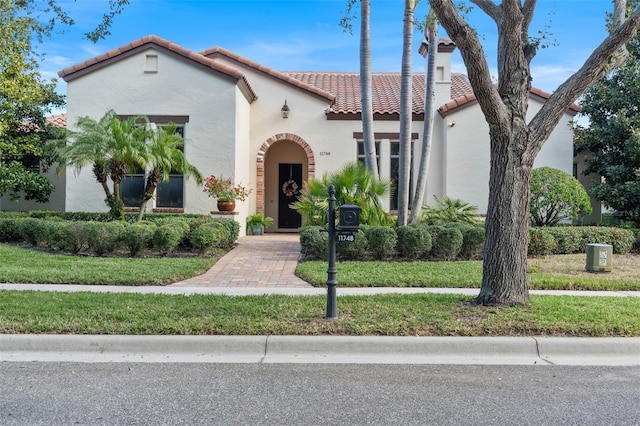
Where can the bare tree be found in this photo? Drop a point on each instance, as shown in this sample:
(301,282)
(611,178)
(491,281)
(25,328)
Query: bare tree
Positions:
(431,35)
(515,142)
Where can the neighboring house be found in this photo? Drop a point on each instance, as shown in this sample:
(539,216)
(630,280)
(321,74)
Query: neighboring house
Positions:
(229,109)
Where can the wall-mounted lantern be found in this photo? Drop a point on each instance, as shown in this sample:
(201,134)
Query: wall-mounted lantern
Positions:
(285,110)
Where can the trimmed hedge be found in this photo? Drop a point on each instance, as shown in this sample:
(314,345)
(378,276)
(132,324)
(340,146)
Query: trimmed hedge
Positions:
(568,240)
(106,237)
(314,241)
(457,241)
(447,243)
(414,242)
(356,250)
(382,241)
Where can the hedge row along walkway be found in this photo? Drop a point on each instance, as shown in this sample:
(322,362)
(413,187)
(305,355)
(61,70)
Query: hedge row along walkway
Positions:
(257,261)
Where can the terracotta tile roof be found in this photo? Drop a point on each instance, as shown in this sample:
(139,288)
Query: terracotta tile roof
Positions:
(215,52)
(149,41)
(386,90)
(341,89)
(57,120)
(468,99)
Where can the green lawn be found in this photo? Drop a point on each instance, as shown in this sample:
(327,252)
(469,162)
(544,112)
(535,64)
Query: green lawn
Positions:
(22,265)
(381,315)
(548,273)
(396,315)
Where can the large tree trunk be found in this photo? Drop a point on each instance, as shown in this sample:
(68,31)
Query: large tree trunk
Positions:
(514,142)
(504,277)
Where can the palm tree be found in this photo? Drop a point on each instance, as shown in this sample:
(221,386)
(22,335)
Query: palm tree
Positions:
(113,147)
(165,156)
(366,90)
(366,85)
(354,184)
(406,110)
(431,34)
(89,146)
(128,148)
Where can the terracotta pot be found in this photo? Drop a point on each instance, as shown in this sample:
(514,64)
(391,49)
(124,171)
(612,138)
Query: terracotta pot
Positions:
(226,206)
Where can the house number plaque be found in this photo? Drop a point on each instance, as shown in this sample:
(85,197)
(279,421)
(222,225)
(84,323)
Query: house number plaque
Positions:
(346,238)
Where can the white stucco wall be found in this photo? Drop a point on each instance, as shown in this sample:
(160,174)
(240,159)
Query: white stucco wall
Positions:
(177,88)
(225,132)
(467,153)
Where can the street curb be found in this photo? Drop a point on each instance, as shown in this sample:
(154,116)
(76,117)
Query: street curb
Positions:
(322,349)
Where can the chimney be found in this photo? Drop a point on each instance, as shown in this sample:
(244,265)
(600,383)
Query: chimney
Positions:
(443,68)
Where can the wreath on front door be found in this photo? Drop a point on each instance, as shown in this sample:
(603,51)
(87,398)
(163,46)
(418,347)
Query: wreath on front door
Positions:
(290,188)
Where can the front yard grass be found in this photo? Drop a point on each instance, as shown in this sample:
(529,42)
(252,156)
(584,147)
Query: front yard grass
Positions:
(23,265)
(384,315)
(561,272)
(380,315)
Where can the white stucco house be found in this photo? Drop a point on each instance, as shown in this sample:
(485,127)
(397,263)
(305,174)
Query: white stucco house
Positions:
(229,109)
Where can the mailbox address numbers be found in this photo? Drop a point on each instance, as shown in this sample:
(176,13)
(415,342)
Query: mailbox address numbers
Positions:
(346,238)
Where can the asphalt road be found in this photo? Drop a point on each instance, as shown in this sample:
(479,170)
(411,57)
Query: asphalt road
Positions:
(54,393)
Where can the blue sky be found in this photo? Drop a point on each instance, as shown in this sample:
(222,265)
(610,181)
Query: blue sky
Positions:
(303,35)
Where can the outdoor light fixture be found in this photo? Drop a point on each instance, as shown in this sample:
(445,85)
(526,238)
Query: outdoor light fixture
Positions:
(285,110)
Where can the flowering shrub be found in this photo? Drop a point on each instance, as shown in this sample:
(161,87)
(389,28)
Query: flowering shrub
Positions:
(223,189)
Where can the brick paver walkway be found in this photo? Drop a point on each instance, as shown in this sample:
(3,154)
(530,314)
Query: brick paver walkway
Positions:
(257,261)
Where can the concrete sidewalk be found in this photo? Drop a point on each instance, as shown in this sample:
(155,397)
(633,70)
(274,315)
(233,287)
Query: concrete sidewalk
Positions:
(290,290)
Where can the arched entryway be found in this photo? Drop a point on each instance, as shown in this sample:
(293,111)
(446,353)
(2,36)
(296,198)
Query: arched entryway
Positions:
(285,161)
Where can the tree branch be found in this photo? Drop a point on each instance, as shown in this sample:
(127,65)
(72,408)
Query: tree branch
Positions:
(490,8)
(604,58)
(473,56)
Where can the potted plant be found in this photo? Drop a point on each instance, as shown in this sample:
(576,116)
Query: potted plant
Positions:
(257,222)
(225,192)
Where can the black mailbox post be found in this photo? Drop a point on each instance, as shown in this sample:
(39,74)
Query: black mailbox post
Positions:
(348,224)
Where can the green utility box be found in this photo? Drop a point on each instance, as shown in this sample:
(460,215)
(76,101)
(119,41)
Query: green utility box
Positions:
(599,257)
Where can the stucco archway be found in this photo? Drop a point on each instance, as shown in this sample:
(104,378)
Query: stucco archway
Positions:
(260,163)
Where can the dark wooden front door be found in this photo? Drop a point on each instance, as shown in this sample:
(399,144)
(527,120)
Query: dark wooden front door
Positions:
(290,178)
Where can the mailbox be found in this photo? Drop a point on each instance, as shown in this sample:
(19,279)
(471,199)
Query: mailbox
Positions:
(349,217)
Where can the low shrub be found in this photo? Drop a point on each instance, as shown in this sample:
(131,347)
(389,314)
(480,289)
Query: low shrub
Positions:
(356,250)
(137,236)
(541,242)
(167,237)
(382,241)
(71,236)
(568,239)
(103,237)
(413,241)
(34,231)
(472,242)
(621,239)
(231,232)
(314,241)
(447,243)
(10,230)
(636,243)
(207,236)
